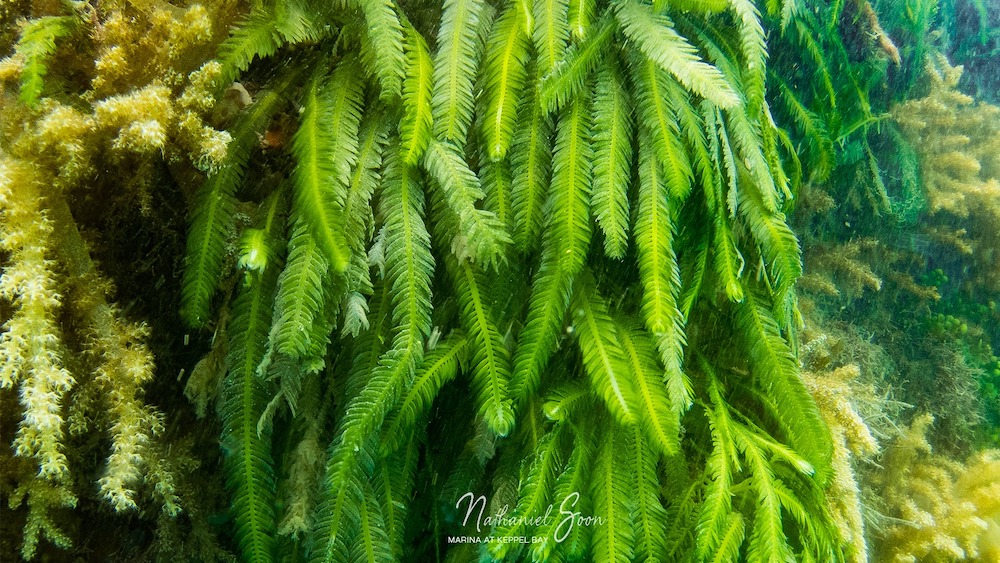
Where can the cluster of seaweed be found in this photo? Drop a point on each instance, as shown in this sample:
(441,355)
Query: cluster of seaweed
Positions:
(426,254)
(87,135)
(899,245)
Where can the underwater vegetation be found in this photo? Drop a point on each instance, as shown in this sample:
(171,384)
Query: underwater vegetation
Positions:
(897,281)
(946,510)
(295,280)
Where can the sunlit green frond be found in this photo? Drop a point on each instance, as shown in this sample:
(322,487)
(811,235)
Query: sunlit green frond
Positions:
(733,535)
(37,44)
(720,47)
(775,371)
(613,499)
(650,516)
(353,304)
(503,80)
(569,77)
(770,138)
(694,267)
(299,300)
(681,511)
(747,139)
(369,346)
(342,494)
(326,148)
(531,161)
(727,167)
(695,133)
(566,241)
(527,16)
(385,35)
(768,542)
(322,329)
(294,23)
(409,270)
(776,451)
(253,38)
(213,214)
(581,14)
(613,140)
(551,288)
(659,273)
(655,36)
(727,258)
(754,52)
(716,508)
(572,178)
(415,127)
(804,501)
(455,65)
(778,244)
(789,8)
(484,235)
(211,226)
(603,358)
(261,33)
(657,118)
(489,360)
(439,367)
(551,33)
(658,415)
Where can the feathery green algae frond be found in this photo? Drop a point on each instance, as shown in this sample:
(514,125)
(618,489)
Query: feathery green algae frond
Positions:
(484,235)
(603,358)
(567,238)
(611,491)
(531,165)
(773,368)
(503,80)
(536,491)
(569,77)
(489,359)
(613,145)
(37,45)
(455,65)
(440,366)
(212,219)
(326,147)
(656,37)
(551,33)
(250,470)
(659,414)
(385,36)
(415,128)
